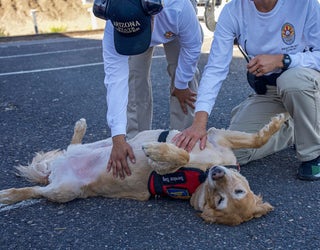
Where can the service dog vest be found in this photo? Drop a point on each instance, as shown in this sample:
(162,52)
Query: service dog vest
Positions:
(181,184)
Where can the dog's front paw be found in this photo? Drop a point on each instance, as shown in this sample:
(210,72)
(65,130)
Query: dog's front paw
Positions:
(151,150)
(281,118)
(167,153)
(273,126)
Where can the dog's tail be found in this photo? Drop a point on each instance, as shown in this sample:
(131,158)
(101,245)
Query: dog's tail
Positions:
(39,170)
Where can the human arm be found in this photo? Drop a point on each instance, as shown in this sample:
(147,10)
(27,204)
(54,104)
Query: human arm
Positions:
(190,37)
(116,70)
(214,74)
(310,57)
(116,81)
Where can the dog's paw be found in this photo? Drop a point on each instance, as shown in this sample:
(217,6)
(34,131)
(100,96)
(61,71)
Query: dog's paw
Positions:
(80,126)
(166,152)
(79,131)
(5,197)
(158,151)
(150,150)
(273,126)
(280,118)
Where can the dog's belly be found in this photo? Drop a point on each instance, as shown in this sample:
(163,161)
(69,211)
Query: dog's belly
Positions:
(134,186)
(79,165)
(213,154)
(85,169)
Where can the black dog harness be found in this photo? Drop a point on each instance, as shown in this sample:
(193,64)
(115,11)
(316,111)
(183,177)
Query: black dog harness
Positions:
(163,136)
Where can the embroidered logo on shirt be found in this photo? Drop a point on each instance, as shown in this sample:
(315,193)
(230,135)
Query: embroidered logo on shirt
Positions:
(288,33)
(169,34)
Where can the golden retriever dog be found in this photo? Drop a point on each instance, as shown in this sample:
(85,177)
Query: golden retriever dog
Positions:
(223,197)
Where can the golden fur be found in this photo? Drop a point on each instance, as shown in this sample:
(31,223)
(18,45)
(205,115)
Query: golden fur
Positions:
(80,172)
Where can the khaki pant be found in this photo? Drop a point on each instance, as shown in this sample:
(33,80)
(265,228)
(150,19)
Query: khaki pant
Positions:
(298,93)
(140,102)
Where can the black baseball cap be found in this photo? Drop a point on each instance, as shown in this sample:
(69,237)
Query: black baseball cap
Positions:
(132,26)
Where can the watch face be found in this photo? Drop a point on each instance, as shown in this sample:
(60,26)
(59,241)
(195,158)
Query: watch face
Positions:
(286,61)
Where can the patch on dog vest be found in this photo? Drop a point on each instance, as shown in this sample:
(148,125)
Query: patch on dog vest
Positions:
(180,185)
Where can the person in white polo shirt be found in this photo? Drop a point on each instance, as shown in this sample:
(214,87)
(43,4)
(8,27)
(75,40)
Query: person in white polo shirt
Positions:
(133,28)
(282,41)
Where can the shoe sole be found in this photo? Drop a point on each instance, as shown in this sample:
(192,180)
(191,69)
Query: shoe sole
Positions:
(308,178)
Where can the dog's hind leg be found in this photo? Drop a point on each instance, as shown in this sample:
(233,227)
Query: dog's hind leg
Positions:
(62,193)
(79,131)
(237,139)
(14,195)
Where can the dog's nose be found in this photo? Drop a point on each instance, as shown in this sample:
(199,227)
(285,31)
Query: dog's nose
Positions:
(217,172)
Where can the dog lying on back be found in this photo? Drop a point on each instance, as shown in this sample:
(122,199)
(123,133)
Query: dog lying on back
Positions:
(80,172)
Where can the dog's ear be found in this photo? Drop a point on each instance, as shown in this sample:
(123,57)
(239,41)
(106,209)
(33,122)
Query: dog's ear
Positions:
(261,208)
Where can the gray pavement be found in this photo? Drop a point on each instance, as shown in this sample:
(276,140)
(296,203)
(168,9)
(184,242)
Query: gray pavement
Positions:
(48,84)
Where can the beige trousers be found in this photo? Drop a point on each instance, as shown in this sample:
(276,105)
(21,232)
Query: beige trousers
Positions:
(298,93)
(140,102)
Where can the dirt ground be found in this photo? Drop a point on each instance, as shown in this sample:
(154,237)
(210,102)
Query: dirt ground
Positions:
(51,16)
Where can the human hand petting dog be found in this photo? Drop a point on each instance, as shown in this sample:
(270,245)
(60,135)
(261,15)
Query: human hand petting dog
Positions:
(185,97)
(118,157)
(188,138)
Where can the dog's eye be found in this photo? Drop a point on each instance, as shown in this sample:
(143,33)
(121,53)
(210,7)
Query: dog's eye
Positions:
(239,191)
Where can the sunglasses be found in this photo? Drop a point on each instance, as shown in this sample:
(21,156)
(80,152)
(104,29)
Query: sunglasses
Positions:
(150,7)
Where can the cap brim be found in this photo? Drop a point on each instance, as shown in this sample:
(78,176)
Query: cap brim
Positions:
(133,45)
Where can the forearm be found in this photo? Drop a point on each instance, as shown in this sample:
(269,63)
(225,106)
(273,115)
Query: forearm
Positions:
(200,119)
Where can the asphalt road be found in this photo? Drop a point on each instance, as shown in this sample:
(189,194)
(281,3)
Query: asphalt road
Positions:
(48,84)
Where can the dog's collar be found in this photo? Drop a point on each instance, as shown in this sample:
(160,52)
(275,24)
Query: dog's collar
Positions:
(163,136)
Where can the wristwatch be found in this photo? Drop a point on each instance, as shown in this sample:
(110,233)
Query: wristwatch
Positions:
(286,61)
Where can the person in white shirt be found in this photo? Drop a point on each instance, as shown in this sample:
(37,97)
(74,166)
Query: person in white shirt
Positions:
(132,30)
(282,41)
